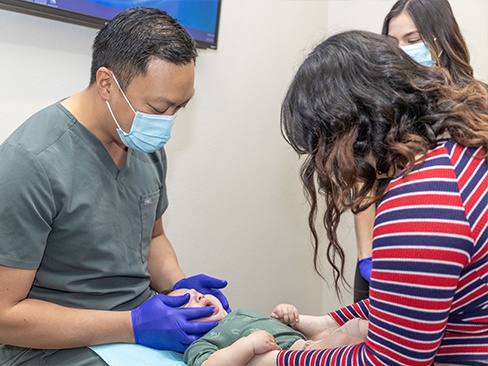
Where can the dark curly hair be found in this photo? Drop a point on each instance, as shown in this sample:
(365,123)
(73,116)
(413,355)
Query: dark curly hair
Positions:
(359,108)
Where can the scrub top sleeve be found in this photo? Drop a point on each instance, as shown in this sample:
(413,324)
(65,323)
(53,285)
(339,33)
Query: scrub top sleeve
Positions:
(27,208)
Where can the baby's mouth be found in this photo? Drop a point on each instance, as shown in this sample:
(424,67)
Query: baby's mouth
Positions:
(216,309)
(209,303)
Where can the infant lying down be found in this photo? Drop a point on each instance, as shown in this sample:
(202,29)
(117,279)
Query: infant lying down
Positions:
(244,336)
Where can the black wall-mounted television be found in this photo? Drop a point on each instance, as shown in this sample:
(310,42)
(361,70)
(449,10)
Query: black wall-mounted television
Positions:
(199,17)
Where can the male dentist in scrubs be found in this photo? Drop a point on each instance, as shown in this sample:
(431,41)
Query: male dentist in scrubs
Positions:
(83,253)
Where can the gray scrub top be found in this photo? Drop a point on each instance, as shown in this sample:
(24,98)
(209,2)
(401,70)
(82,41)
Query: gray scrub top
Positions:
(67,211)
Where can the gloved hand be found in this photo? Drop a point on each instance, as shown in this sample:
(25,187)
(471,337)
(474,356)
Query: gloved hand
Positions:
(205,285)
(365,267)
(160,322)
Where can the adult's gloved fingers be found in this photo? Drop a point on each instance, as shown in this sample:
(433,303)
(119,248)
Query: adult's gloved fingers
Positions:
(200,281)
(192,338)
(198,328)
(223,300)
(175,301)
(196,313)
(212,282)
(180,347)
(365,268)
(228,309)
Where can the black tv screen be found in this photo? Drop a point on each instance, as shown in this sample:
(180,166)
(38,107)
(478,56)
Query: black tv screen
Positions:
(199,17)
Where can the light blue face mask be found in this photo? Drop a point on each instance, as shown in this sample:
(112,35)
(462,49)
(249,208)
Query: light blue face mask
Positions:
(420,53)
(149,132)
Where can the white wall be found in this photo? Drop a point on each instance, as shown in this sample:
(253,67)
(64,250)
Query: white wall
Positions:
(236,205)
(41,61)
(471,16)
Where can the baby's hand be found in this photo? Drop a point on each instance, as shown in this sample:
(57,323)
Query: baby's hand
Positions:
(286,313)
(263,342)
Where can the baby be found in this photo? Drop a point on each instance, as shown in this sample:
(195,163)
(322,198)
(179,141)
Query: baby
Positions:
(244,333)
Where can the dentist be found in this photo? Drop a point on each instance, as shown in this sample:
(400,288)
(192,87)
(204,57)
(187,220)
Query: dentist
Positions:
(84,255)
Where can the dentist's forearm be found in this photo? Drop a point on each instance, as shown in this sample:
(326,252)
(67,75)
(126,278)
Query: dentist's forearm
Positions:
(38,324)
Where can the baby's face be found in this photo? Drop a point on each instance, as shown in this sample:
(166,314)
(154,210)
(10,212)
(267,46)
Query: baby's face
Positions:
(198,300)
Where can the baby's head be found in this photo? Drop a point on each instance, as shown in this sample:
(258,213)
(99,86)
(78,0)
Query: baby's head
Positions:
(198,300)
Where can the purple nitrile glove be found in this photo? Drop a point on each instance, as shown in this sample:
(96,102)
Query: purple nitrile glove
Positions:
(160,322)
(365,267)
(205,285)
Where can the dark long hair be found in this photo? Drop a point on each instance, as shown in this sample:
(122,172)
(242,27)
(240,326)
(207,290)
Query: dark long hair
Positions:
(127,43)
(358,108)
(439,29)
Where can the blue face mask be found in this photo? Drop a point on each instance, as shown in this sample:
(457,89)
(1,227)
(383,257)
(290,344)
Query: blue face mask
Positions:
(149,132)
(420,53)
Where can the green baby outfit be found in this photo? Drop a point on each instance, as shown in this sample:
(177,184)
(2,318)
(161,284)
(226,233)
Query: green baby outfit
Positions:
(238,324)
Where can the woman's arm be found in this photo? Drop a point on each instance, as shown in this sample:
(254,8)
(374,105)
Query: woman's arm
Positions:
(353,332)
(363,226)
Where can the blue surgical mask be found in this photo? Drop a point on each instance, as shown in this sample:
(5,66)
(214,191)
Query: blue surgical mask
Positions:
(420,53)
(149,132)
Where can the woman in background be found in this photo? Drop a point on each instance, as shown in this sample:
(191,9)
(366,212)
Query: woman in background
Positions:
(428,32)
(377,128)
(431,23)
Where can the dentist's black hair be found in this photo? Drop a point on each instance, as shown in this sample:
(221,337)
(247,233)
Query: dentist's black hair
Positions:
(128,42)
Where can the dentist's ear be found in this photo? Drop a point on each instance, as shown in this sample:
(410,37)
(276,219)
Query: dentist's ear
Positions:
(104,83)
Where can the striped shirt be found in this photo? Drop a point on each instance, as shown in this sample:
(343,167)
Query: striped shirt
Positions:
(429,285)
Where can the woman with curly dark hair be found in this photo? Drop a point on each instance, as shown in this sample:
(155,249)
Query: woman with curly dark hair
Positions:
(378,128)
(426,30)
